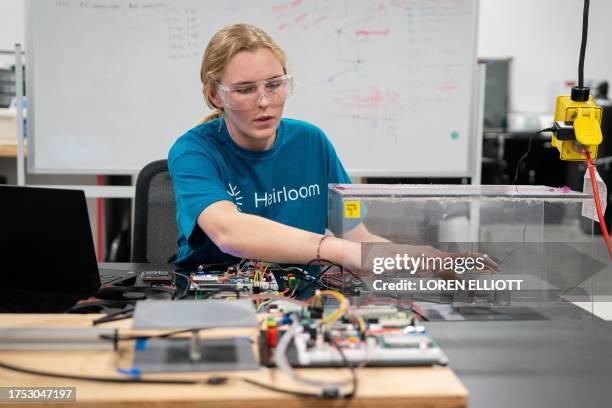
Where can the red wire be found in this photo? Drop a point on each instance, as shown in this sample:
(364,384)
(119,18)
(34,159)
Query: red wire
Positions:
(602,222)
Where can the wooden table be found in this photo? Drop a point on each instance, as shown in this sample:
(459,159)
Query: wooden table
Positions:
(380,387)
(9,150)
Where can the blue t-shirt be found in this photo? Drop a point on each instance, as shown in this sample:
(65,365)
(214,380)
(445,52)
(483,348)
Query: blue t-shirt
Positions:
(287,183)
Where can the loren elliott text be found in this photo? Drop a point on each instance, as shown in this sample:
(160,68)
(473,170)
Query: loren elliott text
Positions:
(448,285)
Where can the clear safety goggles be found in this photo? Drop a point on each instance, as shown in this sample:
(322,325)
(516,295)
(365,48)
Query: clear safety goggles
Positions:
(247,96)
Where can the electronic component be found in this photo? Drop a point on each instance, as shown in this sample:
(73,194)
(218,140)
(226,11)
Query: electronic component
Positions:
(246,278)
(371,313)
(252,277)
(172,355)
(577,128)
(373,335)
(577,125)
(316,307)
(154,278)
(225,282)
(271,333)
(413,348)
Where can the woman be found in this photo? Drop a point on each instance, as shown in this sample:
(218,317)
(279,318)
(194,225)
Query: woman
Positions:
(248,183)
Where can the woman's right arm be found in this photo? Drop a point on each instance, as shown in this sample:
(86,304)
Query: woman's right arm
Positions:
(250,236)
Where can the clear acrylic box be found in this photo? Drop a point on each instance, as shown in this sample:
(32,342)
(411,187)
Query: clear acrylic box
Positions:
(535,233)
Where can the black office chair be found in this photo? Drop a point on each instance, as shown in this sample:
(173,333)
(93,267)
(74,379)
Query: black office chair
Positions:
(155,229)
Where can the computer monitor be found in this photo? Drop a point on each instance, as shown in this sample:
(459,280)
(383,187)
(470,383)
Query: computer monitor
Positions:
(497,93)
(47,255)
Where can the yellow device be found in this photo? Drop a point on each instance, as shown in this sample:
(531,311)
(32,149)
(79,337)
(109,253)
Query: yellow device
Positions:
(577,125)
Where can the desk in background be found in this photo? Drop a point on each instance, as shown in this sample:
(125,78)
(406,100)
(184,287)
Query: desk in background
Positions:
(8,145)
(8,150)
(502,151)
(8,132)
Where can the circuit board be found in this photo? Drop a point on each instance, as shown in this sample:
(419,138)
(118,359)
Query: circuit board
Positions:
(245,278)
(408,346)
(251,277)
(361,335)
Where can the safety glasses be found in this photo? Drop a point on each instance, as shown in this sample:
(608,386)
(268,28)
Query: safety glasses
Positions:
(247,96)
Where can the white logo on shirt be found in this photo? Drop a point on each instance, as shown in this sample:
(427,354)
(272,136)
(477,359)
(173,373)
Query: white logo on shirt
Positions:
(235,194)
(284,194)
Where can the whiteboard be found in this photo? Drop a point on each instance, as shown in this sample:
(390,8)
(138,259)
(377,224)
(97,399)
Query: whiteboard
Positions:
(111,84)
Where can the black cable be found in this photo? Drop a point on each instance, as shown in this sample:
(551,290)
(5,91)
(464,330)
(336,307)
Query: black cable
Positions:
(281,390)
(522,243)
(150,336)
(514,183)
(82,307)
(330,263)
(585,29)
(518,164)
(128,311)
(136,380)
(186,290)
(324,271)
(317,279)
(96,378)
(421,315)
(116,318)
(322,261)
(353,372)
(413,309)
(305,272)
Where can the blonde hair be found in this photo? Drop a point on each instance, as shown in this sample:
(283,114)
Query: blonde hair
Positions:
(226,43)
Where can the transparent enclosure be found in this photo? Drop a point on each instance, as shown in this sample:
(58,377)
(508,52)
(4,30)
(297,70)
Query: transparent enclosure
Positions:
(544,258)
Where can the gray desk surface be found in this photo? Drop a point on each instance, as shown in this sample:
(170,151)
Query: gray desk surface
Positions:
(531,363)
(545,363)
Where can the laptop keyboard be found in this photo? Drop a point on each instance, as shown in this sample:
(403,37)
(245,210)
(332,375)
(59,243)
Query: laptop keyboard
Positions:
(106,278)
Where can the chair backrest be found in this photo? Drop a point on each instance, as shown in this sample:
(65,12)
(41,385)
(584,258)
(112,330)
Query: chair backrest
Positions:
(155,228)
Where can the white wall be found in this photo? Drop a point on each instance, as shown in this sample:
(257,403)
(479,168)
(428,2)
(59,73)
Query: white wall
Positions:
(11,27)
(543,37)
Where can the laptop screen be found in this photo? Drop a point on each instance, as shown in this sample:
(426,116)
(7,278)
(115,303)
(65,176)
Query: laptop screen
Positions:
(47,253)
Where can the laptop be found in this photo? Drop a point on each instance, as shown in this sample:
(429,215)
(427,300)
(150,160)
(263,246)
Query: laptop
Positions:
(47,256)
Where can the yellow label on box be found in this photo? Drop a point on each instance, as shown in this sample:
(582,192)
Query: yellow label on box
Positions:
(352,209)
